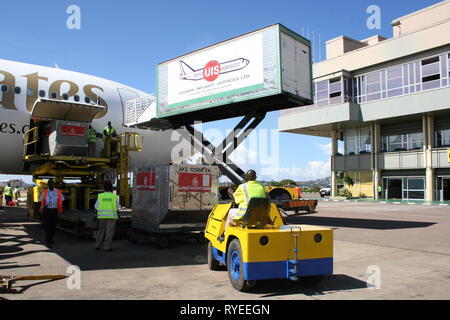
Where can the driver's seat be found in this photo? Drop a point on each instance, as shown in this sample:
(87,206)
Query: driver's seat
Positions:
(257,214)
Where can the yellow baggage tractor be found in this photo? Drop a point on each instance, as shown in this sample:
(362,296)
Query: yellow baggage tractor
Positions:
(261,246)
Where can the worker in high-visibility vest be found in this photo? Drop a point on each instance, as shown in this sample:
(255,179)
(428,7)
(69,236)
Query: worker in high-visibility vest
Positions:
(51,204)
(242,195)
(92,139)
(8,194)
(107,206)
(108,132)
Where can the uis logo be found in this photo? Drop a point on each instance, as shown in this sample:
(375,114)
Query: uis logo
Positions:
(212,69)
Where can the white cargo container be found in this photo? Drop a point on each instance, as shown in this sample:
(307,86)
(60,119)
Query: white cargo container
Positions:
(168,196)
(265,70)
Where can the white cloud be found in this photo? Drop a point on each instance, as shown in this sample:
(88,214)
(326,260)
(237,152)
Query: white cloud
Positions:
(326,148)
(314,170)
(243,156)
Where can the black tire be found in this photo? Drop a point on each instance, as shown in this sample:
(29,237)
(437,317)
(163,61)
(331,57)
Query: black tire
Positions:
(279,195)
(213,264)
(235,266)
(163,242)
(200,237)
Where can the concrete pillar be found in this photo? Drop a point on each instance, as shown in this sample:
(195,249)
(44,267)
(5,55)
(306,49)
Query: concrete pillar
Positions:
(429,142)
(376,172)
(334,150)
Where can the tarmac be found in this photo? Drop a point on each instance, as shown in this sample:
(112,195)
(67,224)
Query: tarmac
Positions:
(382,251)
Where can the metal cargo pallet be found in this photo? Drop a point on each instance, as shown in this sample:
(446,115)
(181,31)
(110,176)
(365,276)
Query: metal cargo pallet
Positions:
(162,233)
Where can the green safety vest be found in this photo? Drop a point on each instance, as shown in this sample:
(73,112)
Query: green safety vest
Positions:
(109,131)
(107,206)
(8,191)
(244,193)
(92,135)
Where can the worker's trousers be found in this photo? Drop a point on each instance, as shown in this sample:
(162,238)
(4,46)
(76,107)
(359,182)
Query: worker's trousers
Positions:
(105,235)
(50,217)
(92,149)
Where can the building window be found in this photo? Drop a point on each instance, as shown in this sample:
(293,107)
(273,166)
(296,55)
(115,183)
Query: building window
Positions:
(348,90)
(373,86)
(4,88)
(322,93)
(357,141)
(443,138)
(405,188)
(402,142)
(430,73)
(365,145)
(394,80)
(413,188)
(335,90)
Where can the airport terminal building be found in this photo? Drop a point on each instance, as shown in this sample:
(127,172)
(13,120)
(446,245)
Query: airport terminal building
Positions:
(388,100)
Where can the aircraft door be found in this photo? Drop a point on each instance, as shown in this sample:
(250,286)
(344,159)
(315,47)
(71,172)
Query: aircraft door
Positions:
(125,95)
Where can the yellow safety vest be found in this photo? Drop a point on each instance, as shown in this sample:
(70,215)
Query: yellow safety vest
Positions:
(244,193)
(92,135)
(109,131)
(107,206)
(8,191)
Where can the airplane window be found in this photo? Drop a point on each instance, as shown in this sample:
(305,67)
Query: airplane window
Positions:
(41,93)
(87,100)
(65,96)
(30,92)
(53,95)
(76,98)
(17,90)
(4,88)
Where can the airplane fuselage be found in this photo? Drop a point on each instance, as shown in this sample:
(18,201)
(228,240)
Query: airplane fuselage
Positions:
(22,84)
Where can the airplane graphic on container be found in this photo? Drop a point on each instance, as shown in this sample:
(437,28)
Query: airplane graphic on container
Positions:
(212,69)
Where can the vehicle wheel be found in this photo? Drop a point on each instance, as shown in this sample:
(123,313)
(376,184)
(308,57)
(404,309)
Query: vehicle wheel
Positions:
(235,265)
(163,242)
(213,264)
(279,195)
(322,195)
(200,238)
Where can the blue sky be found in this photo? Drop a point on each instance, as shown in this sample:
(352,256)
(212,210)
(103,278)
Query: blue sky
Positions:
(125,40)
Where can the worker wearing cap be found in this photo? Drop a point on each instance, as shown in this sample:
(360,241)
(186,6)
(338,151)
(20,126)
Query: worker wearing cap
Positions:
(109,130)
(242,195)
(107,205)
(51,204)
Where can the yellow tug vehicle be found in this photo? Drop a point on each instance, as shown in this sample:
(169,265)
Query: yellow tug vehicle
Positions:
(261,246)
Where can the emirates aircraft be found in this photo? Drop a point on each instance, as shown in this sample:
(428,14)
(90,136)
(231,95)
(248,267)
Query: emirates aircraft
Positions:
(22,84)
